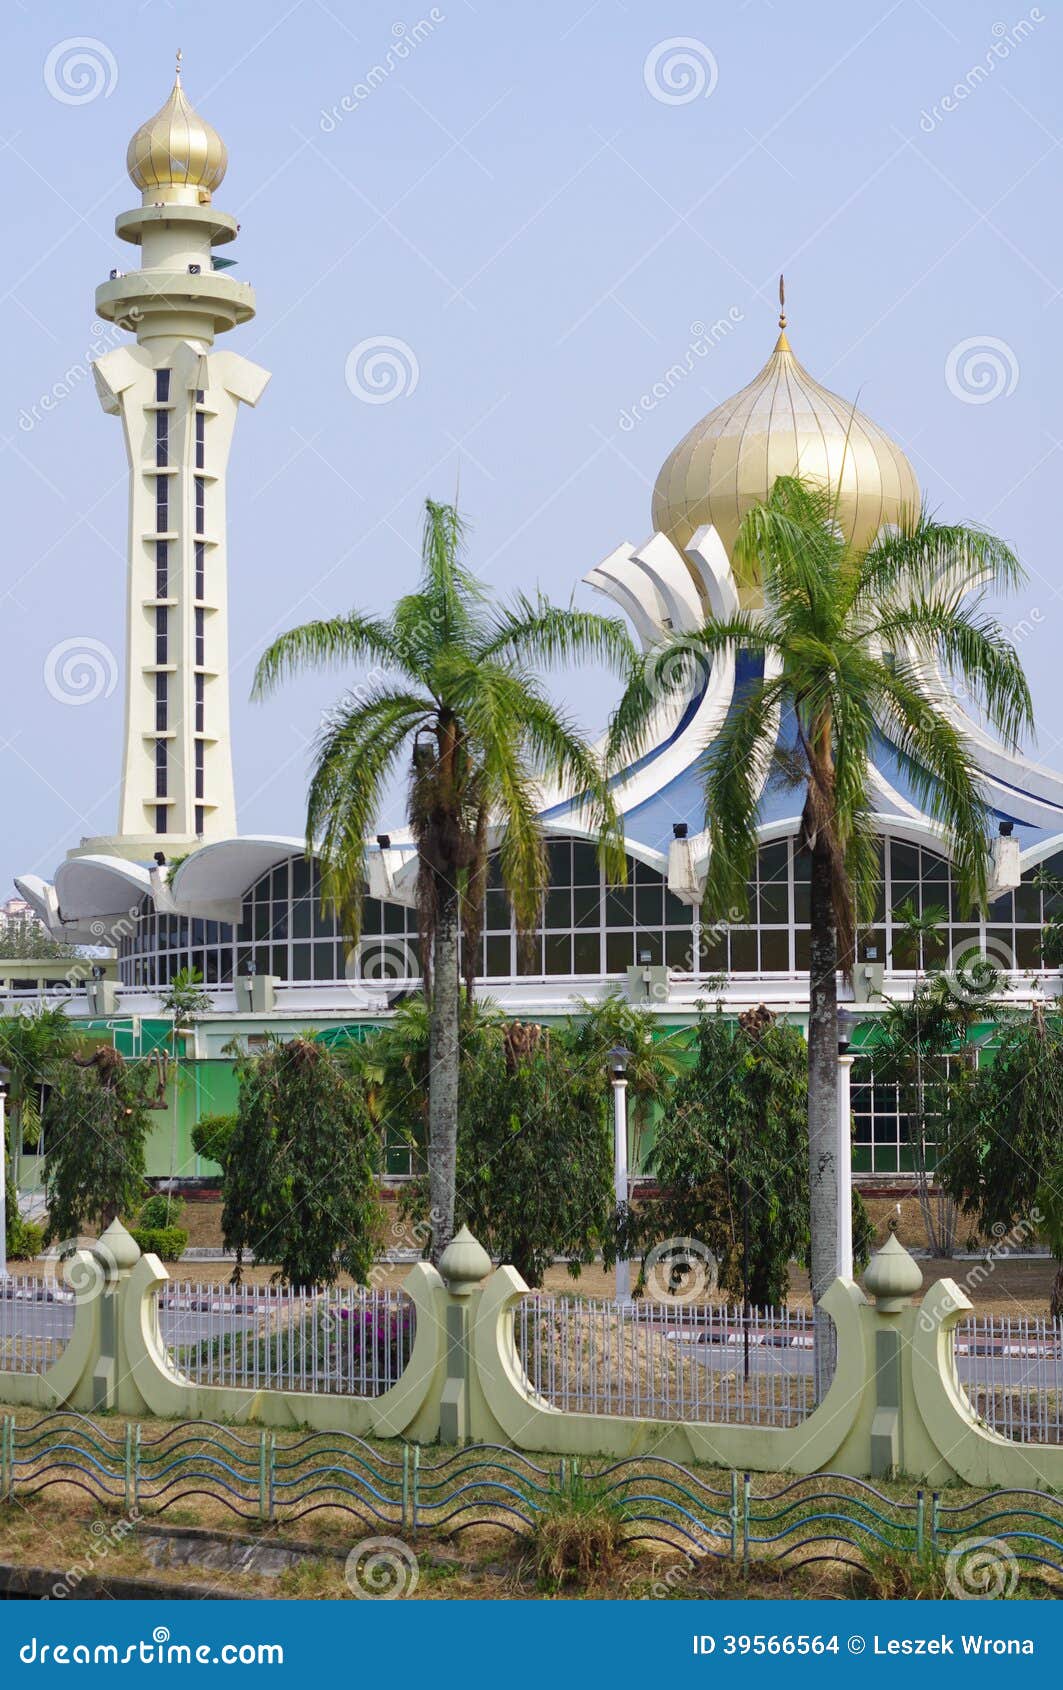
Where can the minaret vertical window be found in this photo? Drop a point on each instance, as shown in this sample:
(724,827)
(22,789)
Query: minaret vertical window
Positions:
(201,570)
(201,683)
(199,768)
(201,639)
(201,423)
(200,502)
(160,703)
(161,640)
(160,768)
(162,569)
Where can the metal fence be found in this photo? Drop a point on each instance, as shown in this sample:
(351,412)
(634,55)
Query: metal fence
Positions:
(1012,1370)
(702,1514)
(36,1320)
(670,1361)
(351,1341)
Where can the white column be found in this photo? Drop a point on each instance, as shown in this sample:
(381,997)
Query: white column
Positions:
(844,1163)
(620,1176)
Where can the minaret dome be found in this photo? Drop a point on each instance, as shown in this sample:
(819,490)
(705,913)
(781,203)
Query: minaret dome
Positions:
(177,149)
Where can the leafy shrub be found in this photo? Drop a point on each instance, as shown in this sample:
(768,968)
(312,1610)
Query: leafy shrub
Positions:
(211,1137)
(167,1242)
(24,1239)
(161,1210)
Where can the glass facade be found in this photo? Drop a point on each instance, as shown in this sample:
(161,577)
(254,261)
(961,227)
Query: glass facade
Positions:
(591,929)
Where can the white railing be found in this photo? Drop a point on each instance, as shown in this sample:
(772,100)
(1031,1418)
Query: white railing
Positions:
(267,1337)
(36,1320)
(670,1361)
(1012,1370)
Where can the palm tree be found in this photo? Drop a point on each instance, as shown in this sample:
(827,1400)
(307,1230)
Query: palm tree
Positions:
(847,634)
(450,685)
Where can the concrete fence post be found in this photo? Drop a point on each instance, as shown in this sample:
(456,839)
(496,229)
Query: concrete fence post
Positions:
(463,1264)
(892,1277)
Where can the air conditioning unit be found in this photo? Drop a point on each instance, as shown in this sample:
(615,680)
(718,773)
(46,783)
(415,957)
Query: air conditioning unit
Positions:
(256,994)
(102,997)
(647,984)
(869,980)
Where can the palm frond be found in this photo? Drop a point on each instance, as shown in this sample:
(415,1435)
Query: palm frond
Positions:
(536,631)
(975,648)
(734,767)
(326,644)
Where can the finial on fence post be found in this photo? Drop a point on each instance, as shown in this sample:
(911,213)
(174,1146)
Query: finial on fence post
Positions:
(892,1277)
(464,1263)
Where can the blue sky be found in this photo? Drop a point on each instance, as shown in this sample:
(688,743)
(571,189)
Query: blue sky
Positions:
(515,203)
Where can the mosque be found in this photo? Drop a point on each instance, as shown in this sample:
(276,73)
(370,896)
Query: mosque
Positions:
(177,886)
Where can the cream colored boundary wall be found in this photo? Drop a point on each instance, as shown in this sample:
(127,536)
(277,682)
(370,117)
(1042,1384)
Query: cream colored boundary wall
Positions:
(894,1405)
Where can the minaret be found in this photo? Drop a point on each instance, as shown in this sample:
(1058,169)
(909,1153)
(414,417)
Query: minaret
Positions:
(177,399)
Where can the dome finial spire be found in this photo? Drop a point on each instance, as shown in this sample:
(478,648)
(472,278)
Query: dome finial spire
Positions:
(782,291)
(177,67)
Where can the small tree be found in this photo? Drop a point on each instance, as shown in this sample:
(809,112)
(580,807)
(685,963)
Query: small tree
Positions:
(30,1048)
(535,1152)
(923,1047)
(212,1137)
(654,1061)
(95,1124)
(300,1171)
(729,1157)
(1007,1131)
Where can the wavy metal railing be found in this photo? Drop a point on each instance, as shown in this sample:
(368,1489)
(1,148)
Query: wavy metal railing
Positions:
(825,1517)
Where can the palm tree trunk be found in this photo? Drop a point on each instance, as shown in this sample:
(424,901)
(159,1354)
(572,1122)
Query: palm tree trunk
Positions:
(822,1101)
(443,1039)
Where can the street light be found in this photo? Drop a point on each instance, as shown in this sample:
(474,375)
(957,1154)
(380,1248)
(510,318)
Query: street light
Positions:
(5,1076)
(844,1145)
(619,1057)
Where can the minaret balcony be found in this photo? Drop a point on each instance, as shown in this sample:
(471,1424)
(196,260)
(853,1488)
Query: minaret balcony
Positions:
(217,227)
(156,302)
(152,535)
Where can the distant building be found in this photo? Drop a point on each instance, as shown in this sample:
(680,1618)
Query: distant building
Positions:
(178,887)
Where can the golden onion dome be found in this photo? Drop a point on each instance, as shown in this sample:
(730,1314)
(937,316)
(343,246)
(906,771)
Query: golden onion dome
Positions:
(177,149)
(783,423)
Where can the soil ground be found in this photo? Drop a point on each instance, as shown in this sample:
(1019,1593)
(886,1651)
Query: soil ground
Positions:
(1008,1286)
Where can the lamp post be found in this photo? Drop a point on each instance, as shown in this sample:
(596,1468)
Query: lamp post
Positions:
(5,1075)
(844,1146)
(618,1061)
